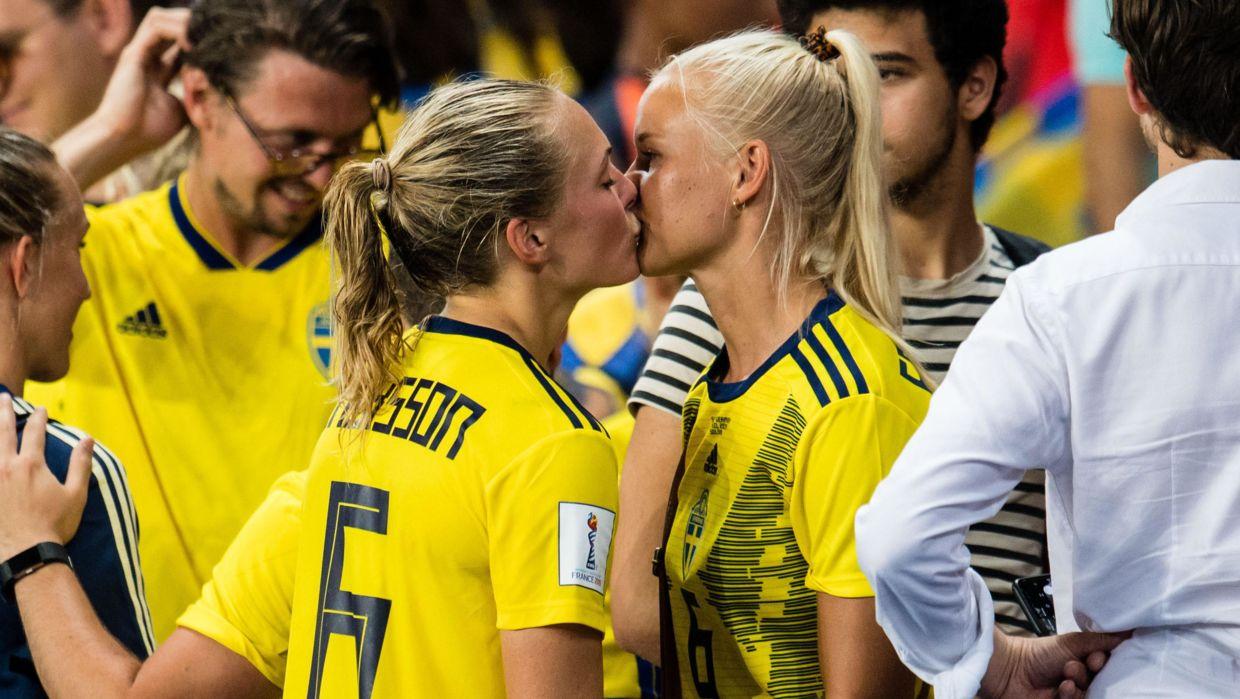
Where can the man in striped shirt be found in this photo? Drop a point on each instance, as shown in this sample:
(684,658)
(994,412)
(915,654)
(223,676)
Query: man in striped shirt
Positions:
(941,64)
(41,231)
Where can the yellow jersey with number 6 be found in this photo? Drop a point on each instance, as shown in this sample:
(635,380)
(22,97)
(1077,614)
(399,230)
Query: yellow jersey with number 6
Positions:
(481,498)
(775,469)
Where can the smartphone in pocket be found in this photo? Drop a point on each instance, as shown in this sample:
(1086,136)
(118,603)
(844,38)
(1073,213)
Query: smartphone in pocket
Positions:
(1036,598)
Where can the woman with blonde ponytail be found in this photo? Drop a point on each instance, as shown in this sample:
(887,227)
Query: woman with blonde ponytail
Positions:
(759,174)
(460,504)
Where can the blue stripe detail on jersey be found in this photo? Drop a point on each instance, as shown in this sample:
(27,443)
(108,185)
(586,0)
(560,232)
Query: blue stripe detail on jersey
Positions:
(837,379)
(551,385)
(312,234)
(811,376)
(215,260)
(722,392)
(555,396)
(109,477)
(846,355)
(448,326)
(210,257)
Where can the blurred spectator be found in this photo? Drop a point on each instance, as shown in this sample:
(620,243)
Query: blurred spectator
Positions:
(652,31)
(1117,161)
(55,60)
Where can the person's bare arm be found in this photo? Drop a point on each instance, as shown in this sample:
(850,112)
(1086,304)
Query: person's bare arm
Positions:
(189,665)
(645,482)
(137,113)
(553,661)
(76,657)
(857,659)
(73,654)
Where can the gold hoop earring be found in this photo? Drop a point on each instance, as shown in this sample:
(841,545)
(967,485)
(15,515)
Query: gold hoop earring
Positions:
(736,204)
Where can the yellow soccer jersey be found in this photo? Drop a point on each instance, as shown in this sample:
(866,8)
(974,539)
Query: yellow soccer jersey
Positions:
(775,469)
(208,379)
(481,498)
(247,605)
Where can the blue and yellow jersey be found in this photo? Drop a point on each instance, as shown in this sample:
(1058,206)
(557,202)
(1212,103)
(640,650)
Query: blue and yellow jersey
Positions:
(776,467)
(207,378)
(481,498)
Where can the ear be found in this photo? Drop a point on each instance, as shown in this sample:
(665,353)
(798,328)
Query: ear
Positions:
(527,241)
(1136,98)
(197,98)
(753,170)
(112,23)
(978,89)
(23,265)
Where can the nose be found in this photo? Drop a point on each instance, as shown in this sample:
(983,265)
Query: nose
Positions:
(633,180)
(626,189)
(320,175)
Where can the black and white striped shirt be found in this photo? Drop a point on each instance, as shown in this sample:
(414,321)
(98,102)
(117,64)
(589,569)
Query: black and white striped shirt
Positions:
(938,317)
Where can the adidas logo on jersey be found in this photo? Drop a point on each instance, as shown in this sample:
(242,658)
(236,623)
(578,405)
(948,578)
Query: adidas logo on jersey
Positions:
(146,322)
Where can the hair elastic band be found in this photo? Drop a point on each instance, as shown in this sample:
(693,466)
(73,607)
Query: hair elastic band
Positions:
(817,43)
(381,175)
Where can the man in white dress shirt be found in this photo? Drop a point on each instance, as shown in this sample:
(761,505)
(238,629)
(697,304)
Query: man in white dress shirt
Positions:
(1116,363)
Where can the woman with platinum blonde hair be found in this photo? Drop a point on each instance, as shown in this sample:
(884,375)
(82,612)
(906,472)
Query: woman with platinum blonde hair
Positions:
(759,174)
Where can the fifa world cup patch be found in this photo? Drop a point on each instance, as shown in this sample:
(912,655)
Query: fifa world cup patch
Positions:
(585,539)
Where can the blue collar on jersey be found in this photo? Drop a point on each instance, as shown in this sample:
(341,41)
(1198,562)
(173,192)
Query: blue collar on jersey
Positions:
(215,260)
(448,326)
(721,392)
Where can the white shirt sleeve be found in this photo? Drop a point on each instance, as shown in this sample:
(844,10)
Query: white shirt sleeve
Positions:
(1002,407)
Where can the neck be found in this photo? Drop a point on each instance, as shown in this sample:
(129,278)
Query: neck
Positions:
(753,319)
(242,243)
(13,372)
(937,234)
(535,318)
(1169,161)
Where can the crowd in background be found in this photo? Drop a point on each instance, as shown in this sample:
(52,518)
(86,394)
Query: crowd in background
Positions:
(158,117)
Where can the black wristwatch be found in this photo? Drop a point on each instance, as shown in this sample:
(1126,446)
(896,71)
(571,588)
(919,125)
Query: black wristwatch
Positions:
(27,562)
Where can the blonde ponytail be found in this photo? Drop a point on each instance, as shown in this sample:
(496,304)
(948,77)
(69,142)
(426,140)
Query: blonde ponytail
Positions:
(862,257)
(365,306)
(470,157)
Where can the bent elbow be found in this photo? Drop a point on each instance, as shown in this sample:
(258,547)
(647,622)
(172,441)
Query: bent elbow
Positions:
(887,544)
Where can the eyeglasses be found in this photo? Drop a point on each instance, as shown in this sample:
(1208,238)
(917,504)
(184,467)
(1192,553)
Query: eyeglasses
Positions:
(299,160)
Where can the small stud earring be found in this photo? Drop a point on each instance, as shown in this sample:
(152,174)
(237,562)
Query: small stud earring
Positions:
(736,204)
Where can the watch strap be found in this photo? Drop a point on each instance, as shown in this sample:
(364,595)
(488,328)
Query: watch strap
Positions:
(29,561)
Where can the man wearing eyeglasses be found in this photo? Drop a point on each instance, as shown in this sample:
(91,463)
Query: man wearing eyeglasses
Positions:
(202,357)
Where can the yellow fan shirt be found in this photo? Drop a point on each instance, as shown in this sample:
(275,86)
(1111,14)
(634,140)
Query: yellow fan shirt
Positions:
(207,378)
